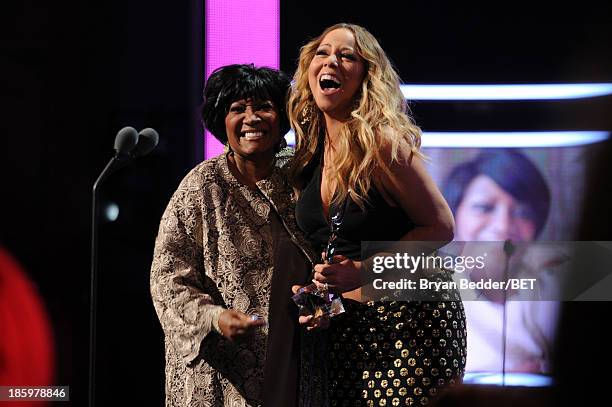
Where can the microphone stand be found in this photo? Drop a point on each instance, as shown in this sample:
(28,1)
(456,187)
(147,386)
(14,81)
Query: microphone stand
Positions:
(118,160)
(508,250)
(128,145)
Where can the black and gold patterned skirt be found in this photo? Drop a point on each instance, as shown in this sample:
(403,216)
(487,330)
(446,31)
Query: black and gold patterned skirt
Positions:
(395,353)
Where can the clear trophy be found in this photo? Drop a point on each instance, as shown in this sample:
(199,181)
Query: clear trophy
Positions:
(319,302)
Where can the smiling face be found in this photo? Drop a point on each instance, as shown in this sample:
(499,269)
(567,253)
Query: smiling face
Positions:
(252,128)
(488,213)
(336,73)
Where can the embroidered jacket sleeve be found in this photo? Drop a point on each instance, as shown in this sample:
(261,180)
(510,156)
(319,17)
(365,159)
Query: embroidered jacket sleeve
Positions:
(185,309)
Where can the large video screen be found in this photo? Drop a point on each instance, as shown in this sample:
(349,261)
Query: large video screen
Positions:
(521,195)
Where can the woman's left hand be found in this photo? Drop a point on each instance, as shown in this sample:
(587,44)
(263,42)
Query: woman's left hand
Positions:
(341,276)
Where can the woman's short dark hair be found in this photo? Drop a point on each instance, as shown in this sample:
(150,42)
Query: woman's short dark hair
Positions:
(512,171)
(230,83)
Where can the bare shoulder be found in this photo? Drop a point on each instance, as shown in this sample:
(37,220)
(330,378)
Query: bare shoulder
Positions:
(396,158)
(405,182)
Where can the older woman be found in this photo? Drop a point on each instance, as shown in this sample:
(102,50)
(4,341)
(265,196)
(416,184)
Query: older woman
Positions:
(357,149)
(227,254)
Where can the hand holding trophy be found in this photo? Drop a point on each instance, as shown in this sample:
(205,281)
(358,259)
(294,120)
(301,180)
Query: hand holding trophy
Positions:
(316,300)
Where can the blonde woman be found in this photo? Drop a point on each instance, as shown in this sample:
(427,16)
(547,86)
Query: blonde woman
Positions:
(357,149)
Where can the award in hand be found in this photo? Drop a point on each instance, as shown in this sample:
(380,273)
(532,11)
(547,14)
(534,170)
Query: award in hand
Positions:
(319,301)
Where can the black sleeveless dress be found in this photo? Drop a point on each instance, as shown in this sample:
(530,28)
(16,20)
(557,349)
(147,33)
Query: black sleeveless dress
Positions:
(383,353)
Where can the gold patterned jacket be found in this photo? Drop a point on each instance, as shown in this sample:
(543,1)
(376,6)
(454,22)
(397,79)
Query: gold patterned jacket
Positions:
(214,252)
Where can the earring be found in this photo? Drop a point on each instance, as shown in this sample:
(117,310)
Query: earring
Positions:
(306,115)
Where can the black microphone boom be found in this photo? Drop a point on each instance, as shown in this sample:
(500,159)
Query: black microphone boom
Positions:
(125,141)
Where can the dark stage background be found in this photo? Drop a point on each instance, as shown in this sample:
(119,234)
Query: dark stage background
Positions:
(73,74)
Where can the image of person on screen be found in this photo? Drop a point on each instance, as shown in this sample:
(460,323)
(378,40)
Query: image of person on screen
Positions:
(501,196)
(228,252)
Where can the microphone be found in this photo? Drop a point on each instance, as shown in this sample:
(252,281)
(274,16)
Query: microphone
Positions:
(509,247)
(147,141)
(129,144)
(125,140)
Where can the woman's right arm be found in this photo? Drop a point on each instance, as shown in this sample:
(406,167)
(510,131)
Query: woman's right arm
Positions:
(186,311)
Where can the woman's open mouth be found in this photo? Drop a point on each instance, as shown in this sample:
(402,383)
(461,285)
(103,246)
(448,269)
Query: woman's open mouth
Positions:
(329,84)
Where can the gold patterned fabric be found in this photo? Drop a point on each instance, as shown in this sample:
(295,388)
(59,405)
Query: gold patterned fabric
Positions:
(395,353)
(214,252)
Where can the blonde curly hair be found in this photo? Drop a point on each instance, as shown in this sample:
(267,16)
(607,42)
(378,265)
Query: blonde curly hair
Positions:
(380,118)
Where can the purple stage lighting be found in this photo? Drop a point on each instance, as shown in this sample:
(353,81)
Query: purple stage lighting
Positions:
(239,32)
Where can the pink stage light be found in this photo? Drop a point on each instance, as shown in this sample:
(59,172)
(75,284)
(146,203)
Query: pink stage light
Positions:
(239,32)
